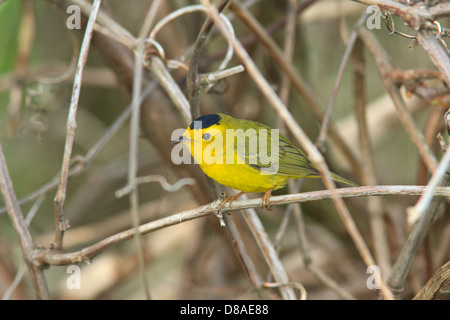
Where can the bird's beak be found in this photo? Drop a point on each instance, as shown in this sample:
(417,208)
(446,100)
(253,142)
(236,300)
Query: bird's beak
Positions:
(180,139)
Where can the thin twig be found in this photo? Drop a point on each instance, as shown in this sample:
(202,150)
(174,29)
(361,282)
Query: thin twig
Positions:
(107,25)
(21,271)
(88,253)
(288,50)
(17,279)
(436,52)
(306,254)
(69,72)
(422,214)
(418,18)
(213,77)
(82,162)
(240,249)
(375,207)
(416,213)
(295,285)
(165,79)
(134,135)
(406,257)
(438,285)
(251,218)
(193,84)
(384,68)
(297,80)
(415,16)
(26,34)
(289,43)
(302,138)
(329,282)
(71,126)
(149,19)
(269,253)
(162,181)
(25,239)
(348,50)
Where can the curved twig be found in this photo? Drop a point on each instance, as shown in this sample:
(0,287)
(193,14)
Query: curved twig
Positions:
(88,253)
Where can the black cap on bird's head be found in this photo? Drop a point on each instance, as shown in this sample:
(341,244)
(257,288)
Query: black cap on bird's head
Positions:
(202,122)
(205,121)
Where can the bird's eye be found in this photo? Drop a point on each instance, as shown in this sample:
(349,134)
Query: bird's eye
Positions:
(206,136)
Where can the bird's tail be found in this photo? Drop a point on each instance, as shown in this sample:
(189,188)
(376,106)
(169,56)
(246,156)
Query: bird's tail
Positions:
(342,180)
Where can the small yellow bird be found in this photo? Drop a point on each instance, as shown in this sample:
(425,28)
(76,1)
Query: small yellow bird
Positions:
(246,155)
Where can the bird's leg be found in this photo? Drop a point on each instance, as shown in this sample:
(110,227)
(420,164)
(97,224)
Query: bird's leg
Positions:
(230,199)
(265,202)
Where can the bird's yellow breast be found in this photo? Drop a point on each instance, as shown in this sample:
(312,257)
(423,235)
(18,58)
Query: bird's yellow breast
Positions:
(222,164)
(243,177)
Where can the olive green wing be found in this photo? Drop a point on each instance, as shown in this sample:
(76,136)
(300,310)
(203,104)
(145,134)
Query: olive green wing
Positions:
(293,161)
(266,150)
(274,153)
(249,144)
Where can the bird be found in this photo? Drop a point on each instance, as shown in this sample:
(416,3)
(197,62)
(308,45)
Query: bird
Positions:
(247,155)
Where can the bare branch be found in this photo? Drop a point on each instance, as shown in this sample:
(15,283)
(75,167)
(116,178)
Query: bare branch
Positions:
(416,213)
(423,212)
(384,68)
(375,207)
(348,50)
(438,285)
(61,224)
(297,80)
(134,133)
(193,77)
(436,53)
(88,253)
(299,134)
(26,241)
(164,184)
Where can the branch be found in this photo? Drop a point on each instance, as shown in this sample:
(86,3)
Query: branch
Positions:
(88,253)
(71,126)
(155,178)
(423,212)
(269,253)
(440,10)
(26,241)
(421,19)
(438,284)
(312,152)
(415,16)
(436,53)
(374,205)
(348,50)
(134,134)
(83,161)
(422,206)
(193,83)
(385,68)
(242,252)
(296,78)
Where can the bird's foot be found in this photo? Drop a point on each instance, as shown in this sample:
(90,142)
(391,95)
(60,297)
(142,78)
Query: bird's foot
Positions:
(226,200)
(230,200)
(265,201)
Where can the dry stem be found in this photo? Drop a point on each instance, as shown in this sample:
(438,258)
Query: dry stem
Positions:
(88,253)
(61,224)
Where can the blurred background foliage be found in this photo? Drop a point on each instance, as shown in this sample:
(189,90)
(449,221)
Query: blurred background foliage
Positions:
(194,259)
